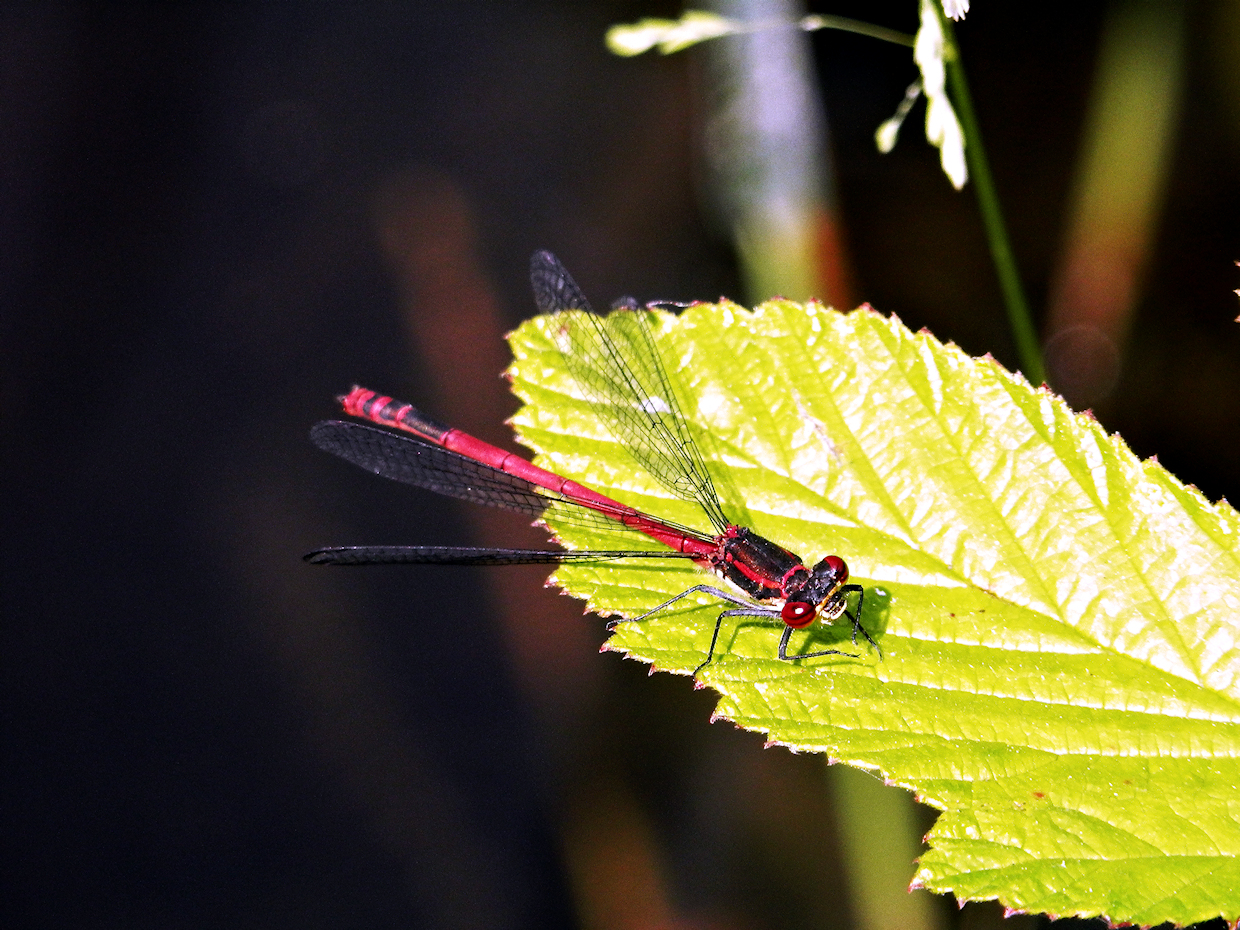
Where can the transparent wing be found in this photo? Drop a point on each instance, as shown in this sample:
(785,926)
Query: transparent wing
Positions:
(411,461)
(614,359)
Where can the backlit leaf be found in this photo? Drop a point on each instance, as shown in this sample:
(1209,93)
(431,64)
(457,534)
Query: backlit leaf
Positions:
(1058,619)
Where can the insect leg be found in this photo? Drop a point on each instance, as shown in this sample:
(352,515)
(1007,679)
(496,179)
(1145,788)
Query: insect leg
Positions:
(703,588)
(750,610)
(783,650)
(856,617)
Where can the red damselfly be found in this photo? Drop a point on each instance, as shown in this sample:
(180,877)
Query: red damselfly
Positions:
(616,364)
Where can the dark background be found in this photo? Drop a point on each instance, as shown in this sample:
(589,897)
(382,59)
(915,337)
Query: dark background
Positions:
(215,218)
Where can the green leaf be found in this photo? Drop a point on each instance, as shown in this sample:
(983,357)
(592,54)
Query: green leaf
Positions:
(1058,619)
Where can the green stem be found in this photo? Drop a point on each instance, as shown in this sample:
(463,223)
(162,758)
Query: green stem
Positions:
(811,23)
(988,202)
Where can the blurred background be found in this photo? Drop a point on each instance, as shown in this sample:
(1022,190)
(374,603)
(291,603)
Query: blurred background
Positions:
(217,217)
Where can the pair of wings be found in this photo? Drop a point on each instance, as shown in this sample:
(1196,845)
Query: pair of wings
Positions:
(616,364)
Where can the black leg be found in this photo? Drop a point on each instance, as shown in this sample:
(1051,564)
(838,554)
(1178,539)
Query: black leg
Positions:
(749,611)
(745,609)
(783,650)
(856,617)
(697,588)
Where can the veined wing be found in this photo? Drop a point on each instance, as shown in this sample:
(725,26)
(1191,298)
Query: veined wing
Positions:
(615,361)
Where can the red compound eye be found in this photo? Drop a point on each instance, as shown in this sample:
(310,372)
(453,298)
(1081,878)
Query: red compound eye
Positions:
(837,567)
(798,614)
